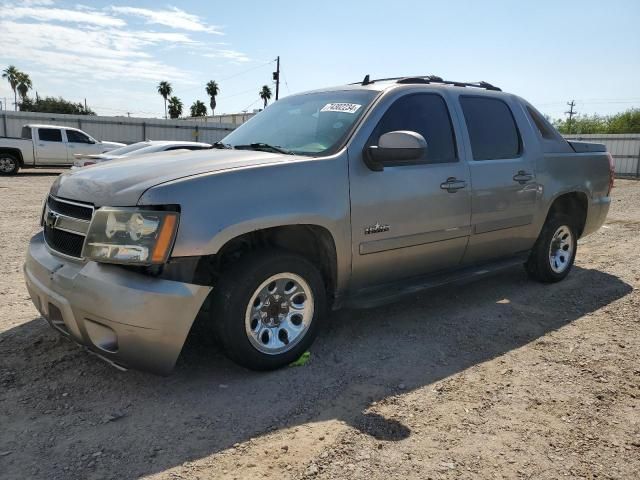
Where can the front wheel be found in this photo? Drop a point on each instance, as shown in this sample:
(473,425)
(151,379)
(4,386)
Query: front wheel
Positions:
(9,164)
(555,250)
(267,309)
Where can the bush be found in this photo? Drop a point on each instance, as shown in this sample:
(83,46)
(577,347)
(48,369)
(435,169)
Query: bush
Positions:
(625,122)
(54,105)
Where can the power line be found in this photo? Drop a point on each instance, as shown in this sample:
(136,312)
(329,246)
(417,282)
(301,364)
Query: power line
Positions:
(224,79)
(250,105)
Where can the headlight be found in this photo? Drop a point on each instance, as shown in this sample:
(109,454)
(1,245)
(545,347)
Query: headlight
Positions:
(131,236)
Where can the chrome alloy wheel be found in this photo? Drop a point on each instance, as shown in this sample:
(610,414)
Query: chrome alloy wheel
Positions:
(561,249)
(7,164)
(279,313)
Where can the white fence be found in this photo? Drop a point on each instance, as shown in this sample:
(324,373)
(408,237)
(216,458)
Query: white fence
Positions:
(119,129)
(624,148)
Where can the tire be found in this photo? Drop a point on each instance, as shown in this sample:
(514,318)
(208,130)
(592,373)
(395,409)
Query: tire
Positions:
(9,164)
(555,250)
(269,291)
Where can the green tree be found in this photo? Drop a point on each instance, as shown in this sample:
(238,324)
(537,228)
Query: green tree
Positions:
(24,85)
(623,122)
(175,107)
(11,73)
(265,94)
(54,105)
(164,89)
(198,109)
(212,90)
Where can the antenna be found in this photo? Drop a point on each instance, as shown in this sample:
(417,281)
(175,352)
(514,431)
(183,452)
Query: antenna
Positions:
(366,80)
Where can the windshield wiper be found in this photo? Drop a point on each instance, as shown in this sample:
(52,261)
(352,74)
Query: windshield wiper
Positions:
(221,145)
(264,146)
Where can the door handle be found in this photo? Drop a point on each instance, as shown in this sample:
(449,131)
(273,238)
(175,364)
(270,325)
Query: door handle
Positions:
(522,177)
(452,184)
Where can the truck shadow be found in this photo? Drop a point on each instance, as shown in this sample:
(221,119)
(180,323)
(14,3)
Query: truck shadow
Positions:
(59,407)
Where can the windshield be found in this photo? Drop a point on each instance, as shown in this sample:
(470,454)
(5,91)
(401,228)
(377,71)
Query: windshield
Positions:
(310,124)
(128,148)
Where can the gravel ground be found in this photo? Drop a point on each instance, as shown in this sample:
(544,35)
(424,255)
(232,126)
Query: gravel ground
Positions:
(501,378)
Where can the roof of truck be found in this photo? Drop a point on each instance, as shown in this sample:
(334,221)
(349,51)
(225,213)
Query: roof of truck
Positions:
(41,125)
(381,84)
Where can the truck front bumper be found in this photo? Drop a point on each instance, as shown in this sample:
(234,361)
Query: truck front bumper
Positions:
(128,319)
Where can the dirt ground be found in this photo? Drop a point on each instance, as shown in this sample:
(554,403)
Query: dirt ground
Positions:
(501,378)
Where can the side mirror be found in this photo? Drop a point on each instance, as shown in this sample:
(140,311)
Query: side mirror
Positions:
(397,148)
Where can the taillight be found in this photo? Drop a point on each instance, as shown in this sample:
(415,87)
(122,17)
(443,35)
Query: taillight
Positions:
(86,164)
(612,173)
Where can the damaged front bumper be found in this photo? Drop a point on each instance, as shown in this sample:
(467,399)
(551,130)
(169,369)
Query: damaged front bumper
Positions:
(129,319)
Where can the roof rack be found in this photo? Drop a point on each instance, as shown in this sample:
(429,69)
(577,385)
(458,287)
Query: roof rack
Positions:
(428,79)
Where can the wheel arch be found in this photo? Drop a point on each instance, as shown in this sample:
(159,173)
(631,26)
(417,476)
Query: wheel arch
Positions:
(16,152)
(573,203)
(314,242)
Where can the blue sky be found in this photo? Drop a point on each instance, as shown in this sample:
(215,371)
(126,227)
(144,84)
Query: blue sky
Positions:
(114,53)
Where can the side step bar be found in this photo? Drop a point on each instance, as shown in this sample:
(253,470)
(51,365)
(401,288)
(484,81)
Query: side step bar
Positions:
(391,292)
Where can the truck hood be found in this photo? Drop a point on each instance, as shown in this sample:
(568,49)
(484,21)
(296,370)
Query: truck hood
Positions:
(121,182)
(111,145)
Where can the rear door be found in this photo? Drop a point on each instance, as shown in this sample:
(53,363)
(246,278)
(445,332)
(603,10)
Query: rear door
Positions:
(503,178)
(51,148)
(79,142)
(405,221)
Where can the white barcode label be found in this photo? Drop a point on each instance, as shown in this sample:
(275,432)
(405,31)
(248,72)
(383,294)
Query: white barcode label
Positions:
(341,107)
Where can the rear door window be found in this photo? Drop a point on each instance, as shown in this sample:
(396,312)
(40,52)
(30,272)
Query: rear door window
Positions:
(50,134)
(492,129)
(426,114)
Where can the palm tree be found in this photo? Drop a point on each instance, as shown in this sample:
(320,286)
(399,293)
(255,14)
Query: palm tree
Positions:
(198,109)
(164,89)
(265,94)
(175,107)
(212,90)
(11,73)
(24,85)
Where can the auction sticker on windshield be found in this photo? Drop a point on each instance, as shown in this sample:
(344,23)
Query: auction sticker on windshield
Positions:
(341,107)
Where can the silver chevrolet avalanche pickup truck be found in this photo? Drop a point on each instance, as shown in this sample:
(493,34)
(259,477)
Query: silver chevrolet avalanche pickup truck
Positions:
(352,195)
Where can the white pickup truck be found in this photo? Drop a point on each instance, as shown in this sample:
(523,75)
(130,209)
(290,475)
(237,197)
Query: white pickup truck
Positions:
(47,145)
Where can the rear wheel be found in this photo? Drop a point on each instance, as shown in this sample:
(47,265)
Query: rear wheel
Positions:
(267,309)
(9,164)
(555,250)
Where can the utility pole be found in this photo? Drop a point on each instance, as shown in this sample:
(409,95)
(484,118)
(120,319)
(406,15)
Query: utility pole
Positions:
(85,105)
(276,77)
(571,113)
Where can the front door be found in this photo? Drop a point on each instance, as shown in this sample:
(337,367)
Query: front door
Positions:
(50,147)
(414,219)
(505,192)
(78,142)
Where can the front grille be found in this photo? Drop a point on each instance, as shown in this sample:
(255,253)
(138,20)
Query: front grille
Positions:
(66,225)
(66,243)
(70,209)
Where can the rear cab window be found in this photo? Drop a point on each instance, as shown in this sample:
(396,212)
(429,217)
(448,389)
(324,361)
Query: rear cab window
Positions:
(26,133)
(493,132)
(50,134)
